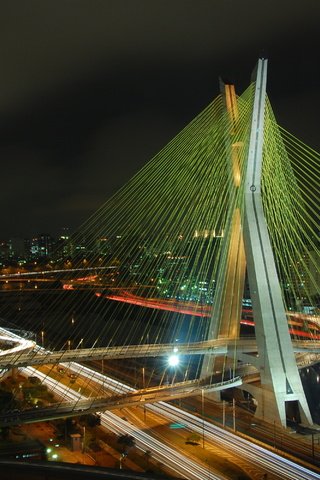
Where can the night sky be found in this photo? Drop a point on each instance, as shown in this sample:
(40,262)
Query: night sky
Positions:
(90,90)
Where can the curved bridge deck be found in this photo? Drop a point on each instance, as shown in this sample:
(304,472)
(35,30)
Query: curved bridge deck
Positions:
(83,406)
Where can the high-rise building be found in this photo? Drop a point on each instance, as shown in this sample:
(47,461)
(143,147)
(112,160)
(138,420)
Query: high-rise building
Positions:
(41,246)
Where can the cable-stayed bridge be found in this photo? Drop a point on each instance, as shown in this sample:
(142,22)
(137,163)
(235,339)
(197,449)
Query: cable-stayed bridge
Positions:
(226,212)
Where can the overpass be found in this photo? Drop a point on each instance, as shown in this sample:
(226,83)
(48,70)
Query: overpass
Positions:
(24,352)
(83,406)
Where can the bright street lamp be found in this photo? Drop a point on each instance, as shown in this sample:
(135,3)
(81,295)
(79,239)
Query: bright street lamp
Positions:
(173,360)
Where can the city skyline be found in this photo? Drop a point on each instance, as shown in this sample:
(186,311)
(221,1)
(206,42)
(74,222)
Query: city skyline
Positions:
(87,101)
(208,256)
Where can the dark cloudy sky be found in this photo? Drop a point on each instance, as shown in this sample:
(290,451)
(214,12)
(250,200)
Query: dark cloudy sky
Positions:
(90,90)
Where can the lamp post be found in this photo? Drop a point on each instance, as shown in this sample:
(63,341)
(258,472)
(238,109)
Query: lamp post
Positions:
(202,404)
(143,378)
(234,413)
(122,457)
(312,445)
(84,439)
(144,386)
(42,338)
(223,413)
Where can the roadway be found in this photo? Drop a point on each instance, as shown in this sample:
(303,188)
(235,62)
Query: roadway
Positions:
(175,461)
(26,353)
(190,421)
(255,456)
(84,406)
(39,356)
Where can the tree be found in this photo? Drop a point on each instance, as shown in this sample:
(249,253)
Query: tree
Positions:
(6,400)
(127,441)
(92,420)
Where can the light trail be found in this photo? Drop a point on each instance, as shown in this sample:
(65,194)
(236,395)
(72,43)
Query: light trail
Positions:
(177,462)
(172,459)
(260,457)
(280,467)
(50,272)
(20,345)
(295,320)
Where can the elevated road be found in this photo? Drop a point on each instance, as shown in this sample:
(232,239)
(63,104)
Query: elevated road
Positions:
(22,353)
(83,406)
(39,356)
(255,456)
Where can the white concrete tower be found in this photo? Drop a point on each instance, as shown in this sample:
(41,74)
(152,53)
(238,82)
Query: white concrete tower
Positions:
(280,379)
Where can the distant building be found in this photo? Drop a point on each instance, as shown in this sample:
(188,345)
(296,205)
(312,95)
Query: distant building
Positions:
(5,250)
(19,247)
(41,246)
(304,280)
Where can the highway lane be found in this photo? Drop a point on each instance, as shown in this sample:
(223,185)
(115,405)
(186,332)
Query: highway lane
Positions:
(193,422)
(178,464)
(281,440)
(171,457)
(257,455)
(279,467)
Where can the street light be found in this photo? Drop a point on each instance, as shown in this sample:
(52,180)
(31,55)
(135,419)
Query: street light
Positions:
(173,360)
(202,403)
(144,386)
(224,413)
(143,378)
(122,457)
(234,413)
(84,439)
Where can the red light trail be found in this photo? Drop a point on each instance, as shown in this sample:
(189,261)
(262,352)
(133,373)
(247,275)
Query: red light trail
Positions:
(299,324)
